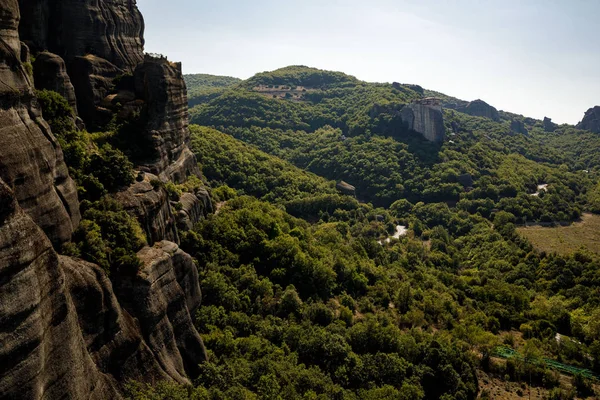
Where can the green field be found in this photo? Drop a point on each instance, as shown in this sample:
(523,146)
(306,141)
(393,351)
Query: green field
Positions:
(566,239)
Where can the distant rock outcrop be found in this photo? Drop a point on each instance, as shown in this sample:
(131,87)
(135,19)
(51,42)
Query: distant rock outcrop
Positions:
(476,108)
(591,120)
(549,126)
(425,117)
(479,108)
(517,126)
(346,188)
(31,161)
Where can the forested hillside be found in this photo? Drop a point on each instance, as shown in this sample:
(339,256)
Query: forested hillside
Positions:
(304,297)
(204,87)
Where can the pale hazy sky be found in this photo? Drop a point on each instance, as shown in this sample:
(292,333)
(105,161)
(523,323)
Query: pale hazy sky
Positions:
(533,57)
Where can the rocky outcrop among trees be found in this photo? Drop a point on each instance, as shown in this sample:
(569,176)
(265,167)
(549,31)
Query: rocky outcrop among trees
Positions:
(425,117)
(591,120)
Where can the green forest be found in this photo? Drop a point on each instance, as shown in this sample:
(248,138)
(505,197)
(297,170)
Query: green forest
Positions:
(303,296)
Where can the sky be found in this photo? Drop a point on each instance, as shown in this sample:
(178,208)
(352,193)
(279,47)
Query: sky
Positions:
(532,57)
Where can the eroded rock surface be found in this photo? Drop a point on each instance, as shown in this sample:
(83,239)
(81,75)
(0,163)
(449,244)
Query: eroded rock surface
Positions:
(425,117)
(108,29)
(31,161)
(42,350)
(162,296)
(194,207)
(150,206)
(591,120)
(160,84)
(64,333)
(50,72)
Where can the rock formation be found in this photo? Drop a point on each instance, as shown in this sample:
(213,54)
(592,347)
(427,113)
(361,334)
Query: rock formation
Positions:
(150,206)
(346,188)
(479,108)
(67,330)
(108,29)
(425,117)
(42,350)
(50,72)
(476,108)
(31,161)
(194,207)
(517,126)
(162,296)
(98,39)
(72,337)
(549,126)
(591,120)
(160,84)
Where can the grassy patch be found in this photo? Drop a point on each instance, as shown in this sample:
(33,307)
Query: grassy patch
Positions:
(566,239)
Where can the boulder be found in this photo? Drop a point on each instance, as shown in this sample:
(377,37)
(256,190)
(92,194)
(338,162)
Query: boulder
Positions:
(346,188)
(591,120)
(50,72)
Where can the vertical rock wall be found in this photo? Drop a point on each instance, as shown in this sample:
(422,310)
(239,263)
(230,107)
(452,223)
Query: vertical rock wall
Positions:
(31,161)
(425,117)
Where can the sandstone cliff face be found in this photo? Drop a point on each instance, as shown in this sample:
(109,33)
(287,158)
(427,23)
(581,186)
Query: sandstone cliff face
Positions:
(150,206)
(64,332)
(31,161)
(160,84)
(42,350)
(162,296)
(50,72)
(591,120)
(195,206)
(109,29)
(425,117)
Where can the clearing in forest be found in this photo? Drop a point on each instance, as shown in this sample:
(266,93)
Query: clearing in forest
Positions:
(566,239)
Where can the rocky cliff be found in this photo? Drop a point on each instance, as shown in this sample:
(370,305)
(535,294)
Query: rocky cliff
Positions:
(591,120)
(67,332)
(425,117)
(159,83)
(31,161)
(108,29)
(66,329)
